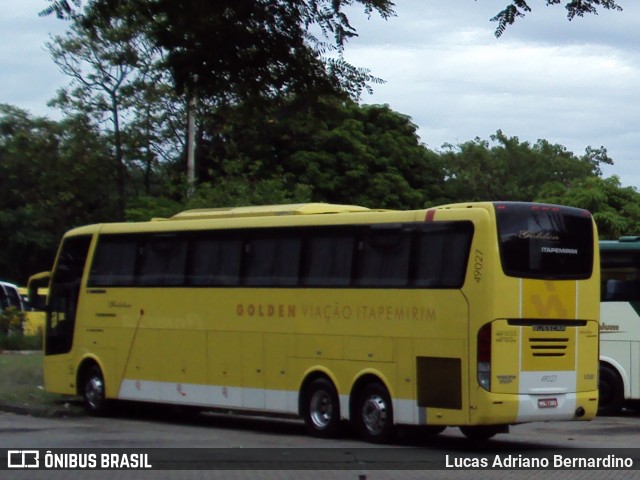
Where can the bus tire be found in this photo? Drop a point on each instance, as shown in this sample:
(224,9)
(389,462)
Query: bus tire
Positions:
(321,409)
(93,391)
(610,392)
(374,414)
(432,430)
(481,432)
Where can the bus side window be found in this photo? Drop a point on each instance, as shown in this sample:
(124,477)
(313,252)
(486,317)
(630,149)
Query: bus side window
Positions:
(114,261)
(214,261)
(328,260)
(272,261)
(4,299)
(163,260)
(622,290)
(13,297)
(383,258)
(442,256)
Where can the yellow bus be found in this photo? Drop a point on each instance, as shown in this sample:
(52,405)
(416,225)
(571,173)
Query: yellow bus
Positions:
(479,315)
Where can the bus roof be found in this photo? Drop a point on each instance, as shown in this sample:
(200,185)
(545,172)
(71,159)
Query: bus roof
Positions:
(267,210)
(623,243)
(267,215)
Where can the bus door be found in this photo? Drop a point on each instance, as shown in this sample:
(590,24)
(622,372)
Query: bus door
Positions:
(64,294)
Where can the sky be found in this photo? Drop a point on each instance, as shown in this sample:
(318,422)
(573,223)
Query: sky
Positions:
(574,83)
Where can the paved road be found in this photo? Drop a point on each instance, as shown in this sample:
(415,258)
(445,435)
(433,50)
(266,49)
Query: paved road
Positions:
(249,438)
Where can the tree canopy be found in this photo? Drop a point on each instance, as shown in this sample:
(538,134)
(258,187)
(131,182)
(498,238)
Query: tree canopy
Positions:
(277,122)
(334,151)
(117,79)
(575,8)
(234,49)
(53,175)
(58,175)
(514,170)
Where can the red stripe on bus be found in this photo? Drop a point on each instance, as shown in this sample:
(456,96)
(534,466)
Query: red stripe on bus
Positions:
(430,214)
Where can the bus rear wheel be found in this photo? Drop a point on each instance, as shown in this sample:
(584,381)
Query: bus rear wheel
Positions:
(374,414)
(93,391)
(321,409)
(610,392)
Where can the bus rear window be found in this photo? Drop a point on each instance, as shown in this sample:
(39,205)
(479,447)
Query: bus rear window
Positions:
(545,241)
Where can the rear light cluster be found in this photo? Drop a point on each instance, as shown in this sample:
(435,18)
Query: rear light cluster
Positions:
(484,357)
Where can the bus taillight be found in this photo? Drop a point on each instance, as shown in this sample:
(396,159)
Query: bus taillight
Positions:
(484,357)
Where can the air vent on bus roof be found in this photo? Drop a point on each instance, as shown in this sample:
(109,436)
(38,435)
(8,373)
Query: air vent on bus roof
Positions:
(267,210)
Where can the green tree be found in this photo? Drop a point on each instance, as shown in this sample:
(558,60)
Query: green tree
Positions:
(231,50)
(53,176)
(575,8)
(116,79)
(616,209)
(333,150)
(514,170)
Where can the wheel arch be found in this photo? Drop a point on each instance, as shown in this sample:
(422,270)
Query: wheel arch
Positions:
(620,370)
(309,377)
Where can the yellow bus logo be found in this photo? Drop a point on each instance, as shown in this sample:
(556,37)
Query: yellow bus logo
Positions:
(544,299)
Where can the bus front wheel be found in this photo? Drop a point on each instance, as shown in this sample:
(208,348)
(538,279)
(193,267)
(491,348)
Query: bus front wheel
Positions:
(610,392)
(93,391)
(374,415)
(321,409)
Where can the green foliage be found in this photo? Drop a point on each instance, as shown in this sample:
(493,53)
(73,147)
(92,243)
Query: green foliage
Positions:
(575,8)
(11,321)
(279,45)
(53,176)
(514,170)
(21,381)
(330,151)
(144,208)
(12,335)
(616,209)
(20,342)
(276,123)
(238,191)
(118,82)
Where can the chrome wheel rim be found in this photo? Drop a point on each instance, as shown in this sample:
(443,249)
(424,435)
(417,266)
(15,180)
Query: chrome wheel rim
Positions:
(374,414)
(321,409)
(94,392)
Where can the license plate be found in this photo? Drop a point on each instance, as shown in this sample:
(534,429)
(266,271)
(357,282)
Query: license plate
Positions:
(547,403)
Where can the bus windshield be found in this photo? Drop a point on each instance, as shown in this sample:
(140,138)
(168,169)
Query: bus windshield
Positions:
(545,241)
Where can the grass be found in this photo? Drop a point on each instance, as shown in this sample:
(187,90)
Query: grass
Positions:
(20,342)
(22,382)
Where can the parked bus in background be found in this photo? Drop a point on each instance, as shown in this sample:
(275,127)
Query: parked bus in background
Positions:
(10,297)
(11,310)
(620,327)
(477,315)
(34,297)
